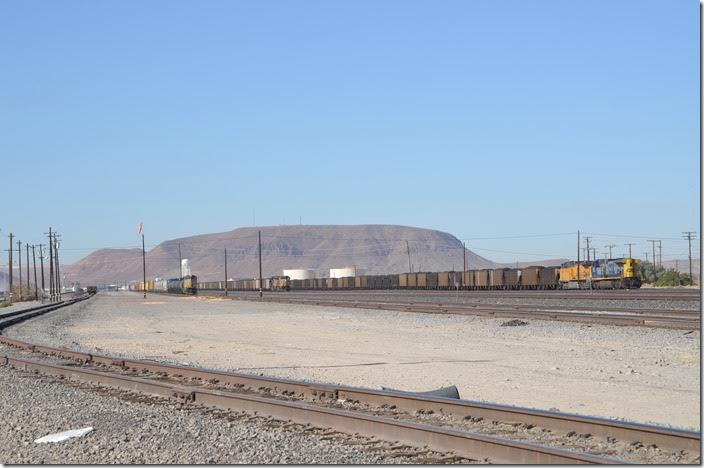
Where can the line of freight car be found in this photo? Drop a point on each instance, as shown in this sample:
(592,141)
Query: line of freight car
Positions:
(504,279)
(621,273)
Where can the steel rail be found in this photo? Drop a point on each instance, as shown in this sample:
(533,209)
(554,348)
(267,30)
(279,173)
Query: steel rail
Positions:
(464,444)
(17,316)
(464,305)
(641,294)
(647,318)
(674,439)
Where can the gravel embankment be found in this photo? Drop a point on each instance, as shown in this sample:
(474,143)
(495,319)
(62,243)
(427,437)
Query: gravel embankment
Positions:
(150,431)
(491,298)
(634,373)
(18,306)
(611,448)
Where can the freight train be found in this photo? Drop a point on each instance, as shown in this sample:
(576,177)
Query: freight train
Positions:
(620,273)
(185,285)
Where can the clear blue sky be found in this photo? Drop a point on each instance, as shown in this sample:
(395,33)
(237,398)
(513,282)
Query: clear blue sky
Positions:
(480,118)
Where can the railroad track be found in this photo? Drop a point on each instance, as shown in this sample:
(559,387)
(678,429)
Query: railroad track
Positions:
(387,415)
(690,295)
(10,318)
(312,403)
(661,318)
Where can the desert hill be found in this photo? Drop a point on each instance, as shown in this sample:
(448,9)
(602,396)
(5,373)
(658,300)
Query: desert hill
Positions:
(375,249)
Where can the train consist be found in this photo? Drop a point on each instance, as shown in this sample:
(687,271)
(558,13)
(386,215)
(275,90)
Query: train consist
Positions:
(185,285)
(621,273)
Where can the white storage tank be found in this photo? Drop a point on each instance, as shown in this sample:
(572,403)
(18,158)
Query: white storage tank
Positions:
(300,274)
(345,272)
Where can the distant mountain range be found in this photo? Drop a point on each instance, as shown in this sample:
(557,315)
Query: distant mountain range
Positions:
(374,249)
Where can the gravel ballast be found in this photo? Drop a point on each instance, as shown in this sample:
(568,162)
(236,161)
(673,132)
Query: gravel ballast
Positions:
(640,374)
(144,430)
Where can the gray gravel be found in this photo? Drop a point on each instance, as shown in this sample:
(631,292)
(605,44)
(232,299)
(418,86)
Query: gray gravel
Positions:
(18,306)
(492,297)
(149,431)
(634,373)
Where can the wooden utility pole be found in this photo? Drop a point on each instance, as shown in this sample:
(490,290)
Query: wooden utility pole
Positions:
(464,264)
(34,262)
(9,268)
(41,262)
(28,287)
(660,253)
(19,260)
(261,284)
(654,257)
(57,267)
(689,235)
(144,270)
(226,271)
(51,266)
(408,250)
(610,247)
(578,272)
(629,249)
(587,239)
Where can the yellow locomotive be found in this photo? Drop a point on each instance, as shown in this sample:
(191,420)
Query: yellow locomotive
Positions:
(619,273)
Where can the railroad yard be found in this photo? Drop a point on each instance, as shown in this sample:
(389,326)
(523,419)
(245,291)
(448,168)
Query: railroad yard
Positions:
(360,233)
(410,341)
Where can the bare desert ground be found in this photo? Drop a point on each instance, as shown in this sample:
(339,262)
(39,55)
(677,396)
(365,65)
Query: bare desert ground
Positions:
(639,374)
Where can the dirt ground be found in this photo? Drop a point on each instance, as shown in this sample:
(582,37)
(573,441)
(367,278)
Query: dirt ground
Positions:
(639,374)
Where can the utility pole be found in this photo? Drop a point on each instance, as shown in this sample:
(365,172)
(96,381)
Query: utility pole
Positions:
(19,259)
(593,249)
(51,266)
(578,273)
(57,266)
(587,239)
(28,290)
(654,257)
(689,235)
(226,271)
(610,247)
(180,262)
(408,250)
(144,270)
(9,251)
(464,265)
(660,253)
(629,248)
(41,261)
(646,256)
(261,284)
(34,262)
